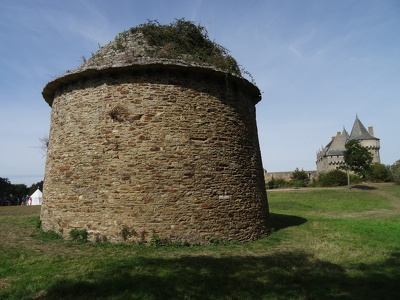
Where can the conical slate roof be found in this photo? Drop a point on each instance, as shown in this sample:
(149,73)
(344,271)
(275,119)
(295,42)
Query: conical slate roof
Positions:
(137,49)
(345,135)
(359,132)
(337,146)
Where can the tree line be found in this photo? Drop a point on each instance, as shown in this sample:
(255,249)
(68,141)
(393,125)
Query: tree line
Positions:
(12,194)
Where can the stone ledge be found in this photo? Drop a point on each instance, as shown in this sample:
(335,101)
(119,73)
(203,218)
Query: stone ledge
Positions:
(51,87)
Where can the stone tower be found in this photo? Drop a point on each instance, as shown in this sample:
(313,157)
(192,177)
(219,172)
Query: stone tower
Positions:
(145,146)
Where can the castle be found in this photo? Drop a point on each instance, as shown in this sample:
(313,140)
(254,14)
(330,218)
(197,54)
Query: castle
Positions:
(331,156)
(145,146)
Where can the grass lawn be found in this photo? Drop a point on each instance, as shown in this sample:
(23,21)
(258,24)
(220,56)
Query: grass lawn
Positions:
(326,244)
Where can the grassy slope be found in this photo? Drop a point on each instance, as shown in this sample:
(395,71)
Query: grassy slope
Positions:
(326,244)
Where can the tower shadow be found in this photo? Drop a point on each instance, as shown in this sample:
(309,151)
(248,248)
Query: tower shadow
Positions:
(280,221)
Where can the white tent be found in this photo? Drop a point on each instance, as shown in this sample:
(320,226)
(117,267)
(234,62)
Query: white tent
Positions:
(35,198)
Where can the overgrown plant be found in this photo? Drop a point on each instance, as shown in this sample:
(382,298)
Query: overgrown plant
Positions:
(101,240)
(166,242)
(79,235)
(126,233)
(182,40)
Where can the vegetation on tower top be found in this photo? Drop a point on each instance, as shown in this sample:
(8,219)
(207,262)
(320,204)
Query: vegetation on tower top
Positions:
(181,40)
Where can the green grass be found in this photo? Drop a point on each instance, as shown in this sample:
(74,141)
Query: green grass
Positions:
(326,244)
(315,202)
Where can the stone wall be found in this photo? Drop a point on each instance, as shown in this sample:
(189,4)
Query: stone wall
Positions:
(168,153)
(287,175)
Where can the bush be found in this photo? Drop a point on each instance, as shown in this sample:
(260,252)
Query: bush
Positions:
(379,173)
(299,178)
(396,176)
(395,170)
(354,178)
(275,183)
(332,178)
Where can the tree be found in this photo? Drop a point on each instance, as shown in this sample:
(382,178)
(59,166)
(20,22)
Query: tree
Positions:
(19,190)
(5,187)
(44,145)
(357,159)
(395,168)
(299,177)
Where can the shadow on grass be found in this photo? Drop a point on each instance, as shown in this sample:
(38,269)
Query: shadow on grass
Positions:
(363,187)
(280,221)
(291,275)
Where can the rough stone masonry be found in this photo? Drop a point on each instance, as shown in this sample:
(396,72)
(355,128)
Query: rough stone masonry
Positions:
(142,147)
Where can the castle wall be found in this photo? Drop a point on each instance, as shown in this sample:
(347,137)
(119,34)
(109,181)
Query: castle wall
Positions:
(329,163)
(141,154)
(287,176)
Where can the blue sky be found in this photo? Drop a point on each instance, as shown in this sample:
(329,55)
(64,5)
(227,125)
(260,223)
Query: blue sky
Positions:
(318,64)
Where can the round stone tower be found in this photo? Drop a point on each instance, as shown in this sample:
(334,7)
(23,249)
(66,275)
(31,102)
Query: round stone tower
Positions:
(147,145)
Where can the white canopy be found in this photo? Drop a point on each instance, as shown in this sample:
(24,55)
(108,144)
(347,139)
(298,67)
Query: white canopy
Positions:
(36,198)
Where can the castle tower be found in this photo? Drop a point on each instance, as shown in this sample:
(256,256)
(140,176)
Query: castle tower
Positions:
(367,139)
(147,145)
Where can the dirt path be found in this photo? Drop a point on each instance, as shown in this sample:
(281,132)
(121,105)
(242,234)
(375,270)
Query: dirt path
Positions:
(394,202)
